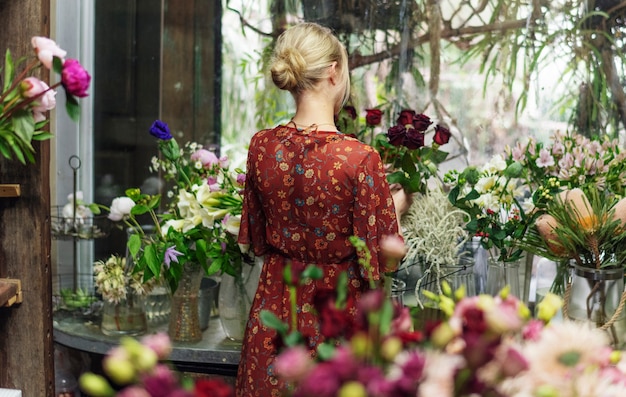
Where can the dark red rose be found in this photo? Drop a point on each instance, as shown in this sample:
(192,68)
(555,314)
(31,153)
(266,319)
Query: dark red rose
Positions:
(474,321)
(396,135)
(373,116)
(442,135)
(414,139)
(333,322)
(212,388)
(406,117)
(412,337)
(350,111)
(421,122)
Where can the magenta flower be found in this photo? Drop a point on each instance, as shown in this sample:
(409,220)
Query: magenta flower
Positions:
(171,255)
(75,78)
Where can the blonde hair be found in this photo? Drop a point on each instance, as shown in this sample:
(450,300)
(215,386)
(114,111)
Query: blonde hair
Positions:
(302,55)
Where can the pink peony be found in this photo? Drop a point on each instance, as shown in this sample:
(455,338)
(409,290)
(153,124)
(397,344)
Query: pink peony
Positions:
(75,78)
(46,49)
(32,87)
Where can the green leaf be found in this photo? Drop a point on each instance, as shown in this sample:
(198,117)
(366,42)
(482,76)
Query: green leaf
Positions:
(23,125)
(386,315)
(293,339)
(270,320)
(342,290)
(139,209)
(57,64)
(325,351)
(9,71)
(42,136)
(154,201)
(312,272)
(72,107)
(152,259)
(134,244)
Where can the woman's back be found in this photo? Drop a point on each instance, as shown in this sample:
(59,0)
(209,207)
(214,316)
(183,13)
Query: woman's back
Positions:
(307,184)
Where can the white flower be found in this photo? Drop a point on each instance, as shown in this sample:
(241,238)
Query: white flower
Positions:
(120,207)
(545,159)
(176,224)
(232,224)
(496,164)
(486,184)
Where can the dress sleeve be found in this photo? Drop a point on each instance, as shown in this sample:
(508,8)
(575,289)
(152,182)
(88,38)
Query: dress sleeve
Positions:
(374,213)
(252,228)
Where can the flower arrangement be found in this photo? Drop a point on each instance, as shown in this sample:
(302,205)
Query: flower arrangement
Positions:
(493,198)
(588,229)
(139,368)
(570,161)
(487,346)
(25,99)
(402,148)
(114,280)
(200,224)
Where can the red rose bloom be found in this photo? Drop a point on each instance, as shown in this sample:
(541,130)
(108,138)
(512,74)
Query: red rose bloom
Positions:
(350,111)
(442,135)
(414,139)
(396,135)
(406,117)
(212,388)
(373,116)
(421,122)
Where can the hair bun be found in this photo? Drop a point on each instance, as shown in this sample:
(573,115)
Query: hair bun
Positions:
(288,69)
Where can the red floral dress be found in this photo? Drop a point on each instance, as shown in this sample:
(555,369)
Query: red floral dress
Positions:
(306,193)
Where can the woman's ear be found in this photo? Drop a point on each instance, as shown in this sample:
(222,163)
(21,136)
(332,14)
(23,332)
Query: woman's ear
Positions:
(332,72)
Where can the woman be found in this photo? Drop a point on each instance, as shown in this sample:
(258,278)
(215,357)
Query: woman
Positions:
(308,189)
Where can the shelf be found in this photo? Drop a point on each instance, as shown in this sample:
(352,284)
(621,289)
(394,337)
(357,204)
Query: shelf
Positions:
(10,292)
(214,354)
(10,190)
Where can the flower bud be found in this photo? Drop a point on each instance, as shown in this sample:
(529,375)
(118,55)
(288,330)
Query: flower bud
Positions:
(442,335)
(352,389)
(390,348)
(120,370)
(548,307)
(95,385)
(546,225)
(577,201)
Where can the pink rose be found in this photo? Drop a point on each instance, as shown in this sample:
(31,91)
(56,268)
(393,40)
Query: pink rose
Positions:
(293,364)
(75,79)
(206,157)
(46,49)
(32,87)
(160,343)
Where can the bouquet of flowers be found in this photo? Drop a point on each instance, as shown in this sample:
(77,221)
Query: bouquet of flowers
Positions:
(113,279)
(200,224)
(140,368)
(410,162)
(493,196)
(487,346)
(570,161)
(25,99)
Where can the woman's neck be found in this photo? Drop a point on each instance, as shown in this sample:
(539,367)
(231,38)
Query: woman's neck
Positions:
(314,108)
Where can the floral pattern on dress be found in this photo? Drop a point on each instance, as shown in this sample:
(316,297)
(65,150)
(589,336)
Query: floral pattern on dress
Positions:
(307,192)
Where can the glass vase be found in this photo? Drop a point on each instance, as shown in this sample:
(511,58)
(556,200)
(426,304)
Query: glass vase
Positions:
(501,274)
(461,275)
(235,297)
(184,325)
(594,296)
(126,317)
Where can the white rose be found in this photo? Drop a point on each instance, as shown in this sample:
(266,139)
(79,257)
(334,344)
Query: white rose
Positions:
(120,207)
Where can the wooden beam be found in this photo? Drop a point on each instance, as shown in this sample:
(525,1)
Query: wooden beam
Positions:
(9,190)
(10,292)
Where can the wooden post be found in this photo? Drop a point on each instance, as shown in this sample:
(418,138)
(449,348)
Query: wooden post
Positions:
(26,344)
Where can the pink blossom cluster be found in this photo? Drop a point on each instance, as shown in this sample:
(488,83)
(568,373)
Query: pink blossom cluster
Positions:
(574,160)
